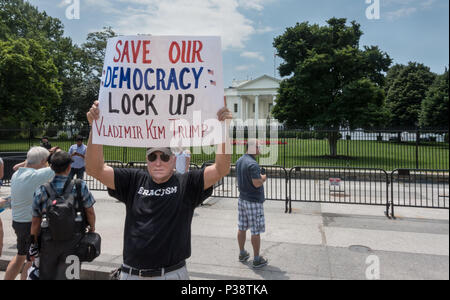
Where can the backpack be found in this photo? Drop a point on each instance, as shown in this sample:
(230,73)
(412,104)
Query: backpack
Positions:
(64,212)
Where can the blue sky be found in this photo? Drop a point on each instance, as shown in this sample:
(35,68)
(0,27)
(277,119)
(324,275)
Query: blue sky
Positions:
(408,30)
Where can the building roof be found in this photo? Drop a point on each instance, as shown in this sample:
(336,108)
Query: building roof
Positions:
(263,82)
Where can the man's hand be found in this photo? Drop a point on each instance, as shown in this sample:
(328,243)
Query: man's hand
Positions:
(93,113)
(20,165)
(224,114)
(54,149)
(91,228)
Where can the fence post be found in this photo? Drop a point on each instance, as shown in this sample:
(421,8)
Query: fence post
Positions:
(30,134)
(284,150)
(124,154)
(417,148)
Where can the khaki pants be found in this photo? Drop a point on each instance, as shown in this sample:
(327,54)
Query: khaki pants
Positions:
(180,274)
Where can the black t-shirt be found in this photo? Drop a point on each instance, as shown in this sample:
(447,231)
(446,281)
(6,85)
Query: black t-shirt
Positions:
(47,145)
(159,216)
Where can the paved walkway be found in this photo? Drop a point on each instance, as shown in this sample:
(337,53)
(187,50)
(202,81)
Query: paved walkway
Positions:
(316,241)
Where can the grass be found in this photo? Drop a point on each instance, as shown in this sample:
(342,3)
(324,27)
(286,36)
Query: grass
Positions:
(299,152)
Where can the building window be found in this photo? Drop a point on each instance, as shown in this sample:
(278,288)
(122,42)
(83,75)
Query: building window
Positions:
(235,107)
(270,107)
(253,107)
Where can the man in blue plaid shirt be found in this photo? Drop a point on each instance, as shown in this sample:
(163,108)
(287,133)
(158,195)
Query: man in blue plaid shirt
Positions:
(53,253)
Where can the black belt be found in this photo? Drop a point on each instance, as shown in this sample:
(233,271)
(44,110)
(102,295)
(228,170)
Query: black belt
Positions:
(152,272)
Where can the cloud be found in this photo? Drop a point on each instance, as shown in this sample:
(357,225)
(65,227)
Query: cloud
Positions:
(252,4)
(63,3)
(405,8)
(402,12)
(253,55)
(181,17)
(264,29)
(428,3)
(244,67)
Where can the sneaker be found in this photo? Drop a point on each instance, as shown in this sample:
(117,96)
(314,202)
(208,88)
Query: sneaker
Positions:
(243,257)
(261,262)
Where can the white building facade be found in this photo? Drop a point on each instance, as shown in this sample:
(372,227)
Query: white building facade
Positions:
(253,99)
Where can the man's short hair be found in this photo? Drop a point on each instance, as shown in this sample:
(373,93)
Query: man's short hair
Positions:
(45,138)
(36,155)
(79,138)
(60,161)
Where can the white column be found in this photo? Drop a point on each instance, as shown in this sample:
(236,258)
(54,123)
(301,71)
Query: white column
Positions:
(247,113)
(241,108)
(274,102)
(256,108)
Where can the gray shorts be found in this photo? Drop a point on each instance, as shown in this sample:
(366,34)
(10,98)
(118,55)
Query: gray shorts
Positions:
(23,232)
(251,215)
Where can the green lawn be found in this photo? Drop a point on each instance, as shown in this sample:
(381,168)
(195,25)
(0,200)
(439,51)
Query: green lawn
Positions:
(298,152)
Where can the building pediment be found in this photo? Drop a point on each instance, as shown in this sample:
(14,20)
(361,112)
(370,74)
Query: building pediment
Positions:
(261,83)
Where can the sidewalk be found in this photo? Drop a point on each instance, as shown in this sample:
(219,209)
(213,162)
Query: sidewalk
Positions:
(316,241)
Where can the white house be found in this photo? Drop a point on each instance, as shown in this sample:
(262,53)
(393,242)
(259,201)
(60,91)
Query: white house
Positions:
(253,99)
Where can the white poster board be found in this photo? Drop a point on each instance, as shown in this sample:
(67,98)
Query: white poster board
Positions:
(161,91)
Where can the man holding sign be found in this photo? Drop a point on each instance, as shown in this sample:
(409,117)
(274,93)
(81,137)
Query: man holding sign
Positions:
(160,206)
(154,93)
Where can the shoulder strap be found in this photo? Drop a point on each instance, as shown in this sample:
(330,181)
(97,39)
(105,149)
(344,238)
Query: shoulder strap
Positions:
(51,194)
(79,197)
(68,187)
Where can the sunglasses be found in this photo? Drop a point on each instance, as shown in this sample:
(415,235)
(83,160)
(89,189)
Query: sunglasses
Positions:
(164,157)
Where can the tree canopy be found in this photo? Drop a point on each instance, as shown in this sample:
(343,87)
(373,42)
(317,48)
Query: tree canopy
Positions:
(408,86)
(332,82)
(434,108)
(28,82)
(75,70)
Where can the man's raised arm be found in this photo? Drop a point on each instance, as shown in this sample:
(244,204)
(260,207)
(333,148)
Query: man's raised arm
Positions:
(95,163)
(221,167)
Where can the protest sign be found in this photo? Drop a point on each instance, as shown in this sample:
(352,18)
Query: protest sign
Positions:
(160,91)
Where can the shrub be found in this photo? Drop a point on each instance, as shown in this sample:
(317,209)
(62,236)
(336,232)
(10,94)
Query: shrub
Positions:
(63,136)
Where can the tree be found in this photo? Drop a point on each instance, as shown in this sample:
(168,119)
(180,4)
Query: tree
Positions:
(93,55)
(19,19)
(28,82)
(434,110)
(407,90)
(332,82)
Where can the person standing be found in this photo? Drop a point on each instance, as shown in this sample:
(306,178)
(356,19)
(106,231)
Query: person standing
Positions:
(1,202)
(77,152)
(250,206)
(2,171)
(54,249)
(160,205)
(23,184)
(183,160)
(45,143)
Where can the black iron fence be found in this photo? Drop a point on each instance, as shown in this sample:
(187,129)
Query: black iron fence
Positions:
(339,185)
(275,188)
(382,149)
(364,186)
(419,188)
(391,168)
